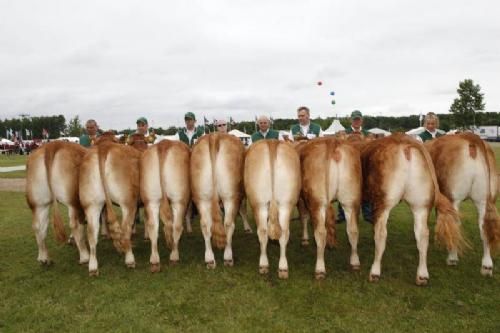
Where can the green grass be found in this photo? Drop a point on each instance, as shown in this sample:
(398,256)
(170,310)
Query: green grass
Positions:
(13,174)
(188,297)
(12,160)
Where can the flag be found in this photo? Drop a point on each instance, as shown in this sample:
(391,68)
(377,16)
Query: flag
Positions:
(45,133)
(420,117)
(6,133)
(256,128)
(231,121)
(206,121)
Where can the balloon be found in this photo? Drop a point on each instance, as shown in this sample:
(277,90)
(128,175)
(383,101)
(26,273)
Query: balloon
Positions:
(332,93)
(333,102)
(320,83)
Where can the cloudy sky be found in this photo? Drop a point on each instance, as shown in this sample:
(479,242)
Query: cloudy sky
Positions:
(117,60)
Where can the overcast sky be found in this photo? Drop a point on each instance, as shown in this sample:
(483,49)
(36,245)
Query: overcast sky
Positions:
(117,60)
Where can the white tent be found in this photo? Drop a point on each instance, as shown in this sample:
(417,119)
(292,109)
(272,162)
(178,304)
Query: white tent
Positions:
(6,142)
(334,128)
(73,139)
(378,131)
(174,137)
(416,131)
(239,134)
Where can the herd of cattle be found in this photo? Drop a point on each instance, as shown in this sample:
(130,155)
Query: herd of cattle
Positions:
(217,174)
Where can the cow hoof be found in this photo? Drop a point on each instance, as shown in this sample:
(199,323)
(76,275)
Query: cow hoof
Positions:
(131,265)
(374,278)
(228,263)
(422,281)
(211,264)
(263,269)
(83,262)
(283,274)
(173,262)
(355,268)
(305,242)
(146,239)
(320,275)
(486,271)
(452,262)
(46,262)
(248,231)
(93,273)
(155,268)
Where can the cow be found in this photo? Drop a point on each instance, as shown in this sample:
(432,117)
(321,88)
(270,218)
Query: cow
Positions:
(272,185)
(109,173)
(165,190)
(465,168)
(331,170)
(399,168)
(216,170)
(52,177)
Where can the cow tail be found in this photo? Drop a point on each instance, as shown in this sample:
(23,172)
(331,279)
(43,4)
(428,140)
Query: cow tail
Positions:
(165,210)
(447,232)
(331,236)
(332,155)
(57,221)
(113,225)
(218,232)
(274,225)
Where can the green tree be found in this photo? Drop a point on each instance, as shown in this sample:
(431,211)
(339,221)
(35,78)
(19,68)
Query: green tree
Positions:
(74,127)
(469,101)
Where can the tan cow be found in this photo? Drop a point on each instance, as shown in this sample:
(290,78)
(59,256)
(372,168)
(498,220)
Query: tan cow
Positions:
(399,168)
(331,170)
(272,185)
(217,175)
(52,177)
(109,173)
(465,168)
(165,190)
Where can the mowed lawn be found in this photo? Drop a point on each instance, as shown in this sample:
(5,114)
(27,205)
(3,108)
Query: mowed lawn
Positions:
(190,298)
(13,160)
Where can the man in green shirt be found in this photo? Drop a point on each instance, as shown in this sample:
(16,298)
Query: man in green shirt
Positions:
(190,134)
(431,124)
(305,129)
(88,139)
(264,131)
(357,124)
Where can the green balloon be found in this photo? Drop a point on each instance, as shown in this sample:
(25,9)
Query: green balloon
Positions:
(333,101)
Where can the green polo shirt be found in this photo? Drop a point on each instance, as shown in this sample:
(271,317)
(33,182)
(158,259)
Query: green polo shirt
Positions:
(313,129)
(425,135)
(349,130)
(271,134)
(197,134)
(85,140)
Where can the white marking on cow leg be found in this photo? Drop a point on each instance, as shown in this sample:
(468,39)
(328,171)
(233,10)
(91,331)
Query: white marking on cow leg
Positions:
(127,222)
(77,230)
(189,213)
(177,208)
(320,237)
(380,238)
(92,214)
(40,224)
(486,262)
(261,221)
(104,225)
(420,216)
(244,216)
(206,229)
(284,220)
(352,234)
(229,218)
(452,259)
(152,223)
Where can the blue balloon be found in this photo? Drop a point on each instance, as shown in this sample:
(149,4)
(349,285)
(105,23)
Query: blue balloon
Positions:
(332,93)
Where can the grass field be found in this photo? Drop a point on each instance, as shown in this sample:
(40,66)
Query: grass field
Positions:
(12,160)
(190,298)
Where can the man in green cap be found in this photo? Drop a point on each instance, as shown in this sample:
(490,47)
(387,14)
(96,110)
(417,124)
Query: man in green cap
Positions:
(142,128)
(305,129)
(264,131)
(431,124)
(356,124)
(91,129)
(190,134)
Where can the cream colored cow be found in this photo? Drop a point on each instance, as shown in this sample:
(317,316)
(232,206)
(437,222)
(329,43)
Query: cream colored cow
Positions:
(272,185)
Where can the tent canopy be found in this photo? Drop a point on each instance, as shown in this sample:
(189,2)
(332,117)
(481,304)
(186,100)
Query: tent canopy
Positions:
(335,127)
(377,131)
(239,134)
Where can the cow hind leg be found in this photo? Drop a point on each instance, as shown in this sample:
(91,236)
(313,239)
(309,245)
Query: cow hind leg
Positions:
(179,210)
(230,209)
(40,224)
(352,234)
(319,216)
(188,216)
(452,259)
(129,213)
(284,221)
(78,234)
(92,214)
(152,224)
(261,221)
(486,262)
(303,215)
(380,237)
(244,217)
(420,216)
(205,210)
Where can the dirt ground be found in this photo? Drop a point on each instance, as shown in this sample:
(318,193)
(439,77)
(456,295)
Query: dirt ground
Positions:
(14,184)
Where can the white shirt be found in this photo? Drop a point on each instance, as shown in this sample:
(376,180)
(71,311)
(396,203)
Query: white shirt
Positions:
(305,128)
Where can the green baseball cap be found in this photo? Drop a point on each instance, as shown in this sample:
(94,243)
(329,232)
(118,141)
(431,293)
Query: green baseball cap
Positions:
(356,114)
(189,115)
(142,120)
